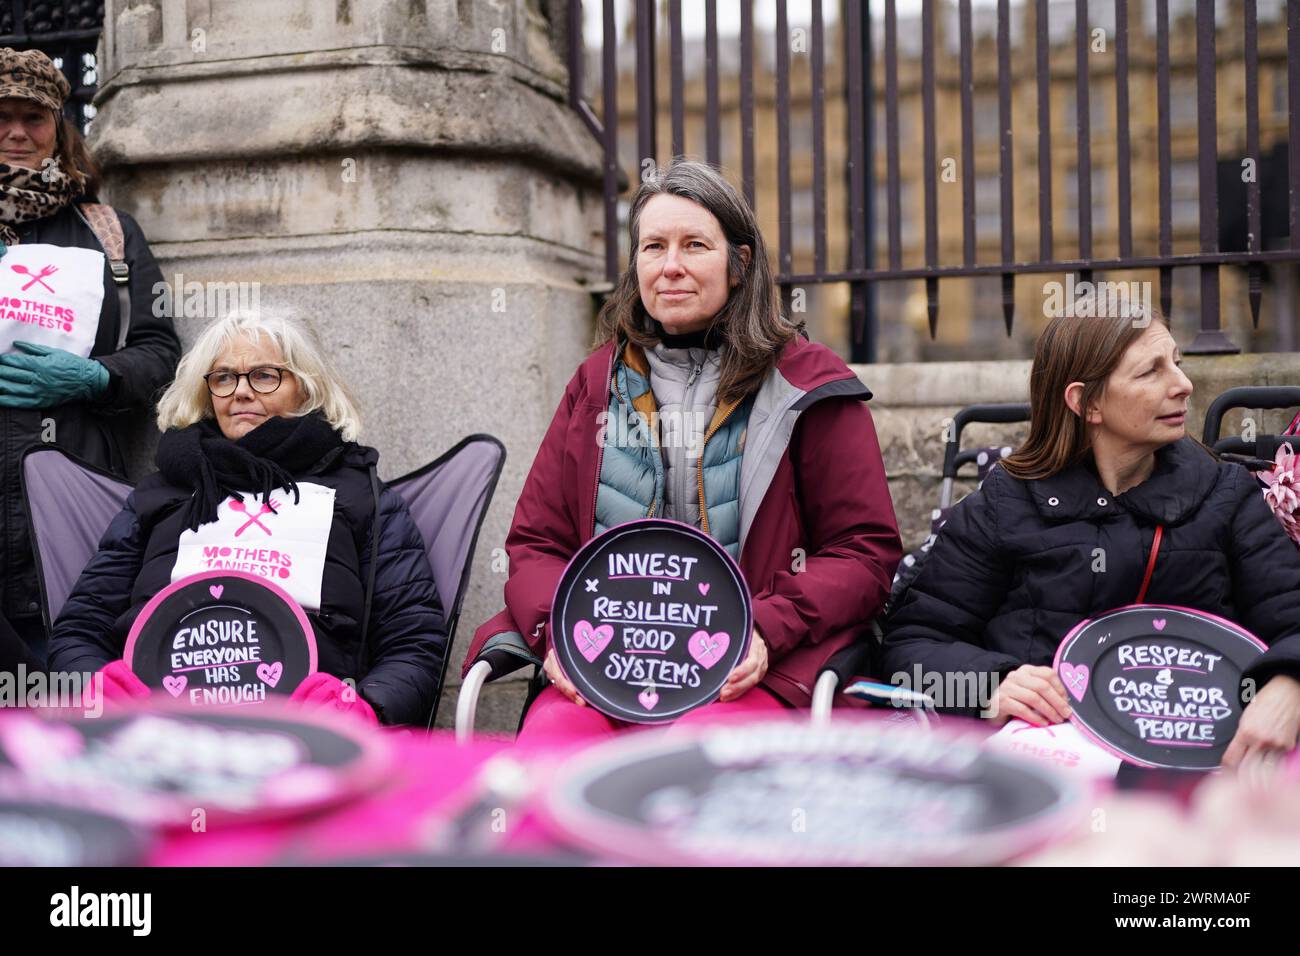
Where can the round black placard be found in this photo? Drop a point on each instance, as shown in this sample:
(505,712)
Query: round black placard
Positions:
(859,791)
(1158,686)
(222,638)
(35,831)
(158,764)
(649,619)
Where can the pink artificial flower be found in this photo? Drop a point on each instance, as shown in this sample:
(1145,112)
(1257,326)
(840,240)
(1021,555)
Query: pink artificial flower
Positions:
(1282,490)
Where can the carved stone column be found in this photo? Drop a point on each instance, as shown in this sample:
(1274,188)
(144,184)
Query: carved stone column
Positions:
(407,177)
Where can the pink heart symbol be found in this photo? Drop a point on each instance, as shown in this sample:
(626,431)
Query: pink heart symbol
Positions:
(216,589)
(175,685)
(592,640)
(648,697)
(1075,678)
(1159,623)
(706,648)
(704,588)
(31,743)
(270,674)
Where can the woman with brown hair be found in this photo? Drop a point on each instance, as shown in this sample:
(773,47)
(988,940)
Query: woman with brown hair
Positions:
(82,342)
(1062,530)
(703,403)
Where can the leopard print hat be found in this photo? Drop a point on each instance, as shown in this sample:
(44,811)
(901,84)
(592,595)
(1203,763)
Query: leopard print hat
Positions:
(32,75)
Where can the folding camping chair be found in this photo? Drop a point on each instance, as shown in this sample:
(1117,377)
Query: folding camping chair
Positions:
(500,655)
(954,459)
(1260,452)
(507,652)
(70,504)
(859,658)
(449,498)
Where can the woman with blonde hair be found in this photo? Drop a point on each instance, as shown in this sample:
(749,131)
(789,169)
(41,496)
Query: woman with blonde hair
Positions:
(258,416)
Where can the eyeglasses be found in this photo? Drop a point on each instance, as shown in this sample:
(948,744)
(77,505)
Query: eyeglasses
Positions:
(264,379)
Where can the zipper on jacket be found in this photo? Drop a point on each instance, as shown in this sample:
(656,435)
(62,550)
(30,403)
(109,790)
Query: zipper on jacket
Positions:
(652,436)
(699,467)
(600,454)
(688,405)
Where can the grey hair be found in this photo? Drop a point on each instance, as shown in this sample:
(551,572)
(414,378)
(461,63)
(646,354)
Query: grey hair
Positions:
(754,328)
(187,401)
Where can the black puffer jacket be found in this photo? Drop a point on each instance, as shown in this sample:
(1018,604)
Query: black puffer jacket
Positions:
(93,431)
(399,671)
(1013,569)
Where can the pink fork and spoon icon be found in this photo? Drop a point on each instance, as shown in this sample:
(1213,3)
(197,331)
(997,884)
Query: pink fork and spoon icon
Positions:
(36,276)
(268,507)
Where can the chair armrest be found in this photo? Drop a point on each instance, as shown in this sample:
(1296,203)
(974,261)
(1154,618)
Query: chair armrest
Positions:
(506,653)
(500,655)
(467,700)
(844,665)
(856,660)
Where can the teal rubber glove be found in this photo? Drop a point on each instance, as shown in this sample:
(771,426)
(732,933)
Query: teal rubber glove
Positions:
(42,377)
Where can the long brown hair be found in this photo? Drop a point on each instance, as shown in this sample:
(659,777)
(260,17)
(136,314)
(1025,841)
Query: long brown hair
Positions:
(74,157)
(754,328)
(1072,348)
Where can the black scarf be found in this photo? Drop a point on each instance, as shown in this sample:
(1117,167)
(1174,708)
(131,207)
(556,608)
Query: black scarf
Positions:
(202,458)
(711,338)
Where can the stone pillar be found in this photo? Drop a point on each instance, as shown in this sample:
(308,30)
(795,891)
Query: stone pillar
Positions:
(407,177)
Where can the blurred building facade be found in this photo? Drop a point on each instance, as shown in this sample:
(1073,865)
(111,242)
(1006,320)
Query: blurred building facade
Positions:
(971,323)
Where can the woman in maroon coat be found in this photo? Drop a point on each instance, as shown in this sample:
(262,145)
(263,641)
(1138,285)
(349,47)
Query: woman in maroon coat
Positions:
(775,453)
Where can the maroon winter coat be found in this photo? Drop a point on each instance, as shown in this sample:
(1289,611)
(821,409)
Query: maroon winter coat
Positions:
(826,496)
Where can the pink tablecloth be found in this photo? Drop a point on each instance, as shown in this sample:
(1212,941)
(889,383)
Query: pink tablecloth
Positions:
(433,780)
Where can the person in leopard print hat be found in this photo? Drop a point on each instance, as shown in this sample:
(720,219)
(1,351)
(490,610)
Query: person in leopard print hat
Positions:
(80,341)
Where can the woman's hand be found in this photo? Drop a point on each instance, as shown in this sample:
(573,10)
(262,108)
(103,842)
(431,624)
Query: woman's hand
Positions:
(749,672)
(1269,724)
(118,683)
(40,376)
(1033,693)
(321,691)
(562,683)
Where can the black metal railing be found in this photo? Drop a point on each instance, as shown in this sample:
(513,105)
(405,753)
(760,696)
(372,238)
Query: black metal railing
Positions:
(857,74)
(67,32)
